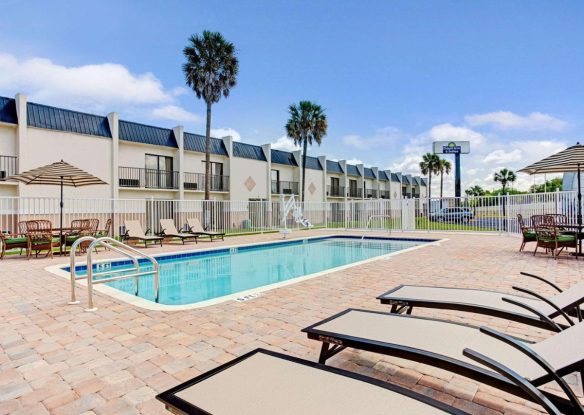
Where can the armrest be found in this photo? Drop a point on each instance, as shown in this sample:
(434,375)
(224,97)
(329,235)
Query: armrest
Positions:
(514,377)
(547,301)
(553,324)
(542,280)
(537,359)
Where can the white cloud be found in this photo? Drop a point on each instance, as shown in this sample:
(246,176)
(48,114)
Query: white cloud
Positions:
(503,156)
(175,113)
(448,132)
(89,86)
(223,132)
(507,120)
(284,143)
(355,161)
(383,137)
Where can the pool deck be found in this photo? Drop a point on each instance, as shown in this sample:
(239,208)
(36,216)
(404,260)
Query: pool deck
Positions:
(58,358)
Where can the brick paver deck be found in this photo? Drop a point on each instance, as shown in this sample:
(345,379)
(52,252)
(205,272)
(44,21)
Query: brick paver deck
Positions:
(57,358)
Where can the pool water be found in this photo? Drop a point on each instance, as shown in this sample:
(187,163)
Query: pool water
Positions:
(198,276)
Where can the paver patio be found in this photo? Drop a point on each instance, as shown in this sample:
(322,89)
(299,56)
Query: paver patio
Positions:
(57,358)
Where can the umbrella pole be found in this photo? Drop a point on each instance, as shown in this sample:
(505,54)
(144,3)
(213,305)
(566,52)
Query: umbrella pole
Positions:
(61,222)
(579,217)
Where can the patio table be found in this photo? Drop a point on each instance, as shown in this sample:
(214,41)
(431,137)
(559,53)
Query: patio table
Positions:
(579,235)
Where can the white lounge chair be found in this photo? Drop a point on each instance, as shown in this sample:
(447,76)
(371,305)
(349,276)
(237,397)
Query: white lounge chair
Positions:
(195,227)
(168,229)
(134,232)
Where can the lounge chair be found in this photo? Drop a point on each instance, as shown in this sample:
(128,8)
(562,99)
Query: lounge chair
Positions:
(169,230)
(538,311)
(194,227)
(134,232)
(262,382)
(441,343)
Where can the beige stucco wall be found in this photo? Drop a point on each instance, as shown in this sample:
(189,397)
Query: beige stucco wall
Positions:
(8,189)
(194,162)
(242,169)
(7,140)
(314,177)
(92,154)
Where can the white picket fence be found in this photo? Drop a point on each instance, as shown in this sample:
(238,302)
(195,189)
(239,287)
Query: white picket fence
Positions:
(473,214)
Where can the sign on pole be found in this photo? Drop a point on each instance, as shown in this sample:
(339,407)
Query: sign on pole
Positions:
(457,148)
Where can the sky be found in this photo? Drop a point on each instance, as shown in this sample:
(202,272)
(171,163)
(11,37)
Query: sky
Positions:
(393,76)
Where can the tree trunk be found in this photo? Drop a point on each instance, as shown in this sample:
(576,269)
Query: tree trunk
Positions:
(208,154)
(441,187)
(304,147)
(430,185)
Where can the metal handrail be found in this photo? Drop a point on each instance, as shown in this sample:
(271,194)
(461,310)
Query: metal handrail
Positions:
(116,246)
(369,222)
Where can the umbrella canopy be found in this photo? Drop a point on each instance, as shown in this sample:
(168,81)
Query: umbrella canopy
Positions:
(58,174)
(568,160)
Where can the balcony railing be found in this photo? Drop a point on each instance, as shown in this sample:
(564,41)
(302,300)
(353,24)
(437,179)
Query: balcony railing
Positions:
(285,188)
(355,192)
(371,193)
(148,178)
(8,166)
(384,194)
(335,191)
(196,181)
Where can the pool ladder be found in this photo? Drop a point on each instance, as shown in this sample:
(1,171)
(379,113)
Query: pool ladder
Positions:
(369,223)
(116,246)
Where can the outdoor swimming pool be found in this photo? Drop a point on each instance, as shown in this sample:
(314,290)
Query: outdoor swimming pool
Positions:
(198,276)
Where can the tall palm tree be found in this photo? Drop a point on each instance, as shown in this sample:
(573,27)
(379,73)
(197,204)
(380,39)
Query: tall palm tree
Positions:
(429,165)
(444,167)
(504,176)
(211,71)
(307,125)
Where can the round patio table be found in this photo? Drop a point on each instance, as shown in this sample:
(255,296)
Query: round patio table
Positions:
(578,232)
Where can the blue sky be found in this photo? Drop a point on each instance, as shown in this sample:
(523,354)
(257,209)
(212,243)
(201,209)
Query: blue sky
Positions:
(392,75)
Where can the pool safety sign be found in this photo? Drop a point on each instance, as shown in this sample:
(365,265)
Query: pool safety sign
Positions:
(451,147)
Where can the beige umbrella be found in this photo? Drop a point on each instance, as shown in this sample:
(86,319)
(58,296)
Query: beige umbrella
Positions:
(58,174)
(568,160)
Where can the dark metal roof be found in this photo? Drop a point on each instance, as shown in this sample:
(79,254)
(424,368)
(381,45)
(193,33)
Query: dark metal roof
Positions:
(313,163)
(369,173)
(383,176)
(406,179)
(8,110)
(352,170)
(196,142)
(283,157)
(424,182)
(147,134)
(248,151)
(416,180)
(334,167)
(396,177)
(43,116)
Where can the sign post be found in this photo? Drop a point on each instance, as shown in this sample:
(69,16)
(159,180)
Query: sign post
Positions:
(457,148)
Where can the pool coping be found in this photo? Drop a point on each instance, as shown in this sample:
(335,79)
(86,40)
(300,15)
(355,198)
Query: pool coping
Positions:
(253,292)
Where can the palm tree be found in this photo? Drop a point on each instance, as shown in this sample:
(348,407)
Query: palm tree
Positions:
(211,71)
(504,176)
(307,125)
(444,167)
(429,165)
(476,190)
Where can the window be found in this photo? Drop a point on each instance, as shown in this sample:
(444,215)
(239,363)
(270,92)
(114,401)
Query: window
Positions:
(216,168)
(276,176)
(353,185)
(159,174)
(335,182)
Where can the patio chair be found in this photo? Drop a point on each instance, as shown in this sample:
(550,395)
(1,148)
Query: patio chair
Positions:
(41,238)
(106,230)
(552,239)
(528,233)
(134,232)
(441,343)
(168,230)
(17,240)
(263,382)
(195,227)
(536,310)
(78,228)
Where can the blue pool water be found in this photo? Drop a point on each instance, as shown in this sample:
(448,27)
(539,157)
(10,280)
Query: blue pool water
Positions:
(197,276)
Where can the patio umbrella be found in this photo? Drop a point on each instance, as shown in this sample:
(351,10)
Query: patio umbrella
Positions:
(58,174)
(568,160)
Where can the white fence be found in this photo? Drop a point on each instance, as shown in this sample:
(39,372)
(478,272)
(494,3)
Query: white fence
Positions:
(477,214)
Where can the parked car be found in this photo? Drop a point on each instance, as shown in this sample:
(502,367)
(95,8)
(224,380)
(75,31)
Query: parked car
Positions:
(457,214)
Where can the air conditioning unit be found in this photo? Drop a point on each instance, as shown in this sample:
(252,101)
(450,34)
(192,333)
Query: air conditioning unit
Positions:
(287,191)
(191,186)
